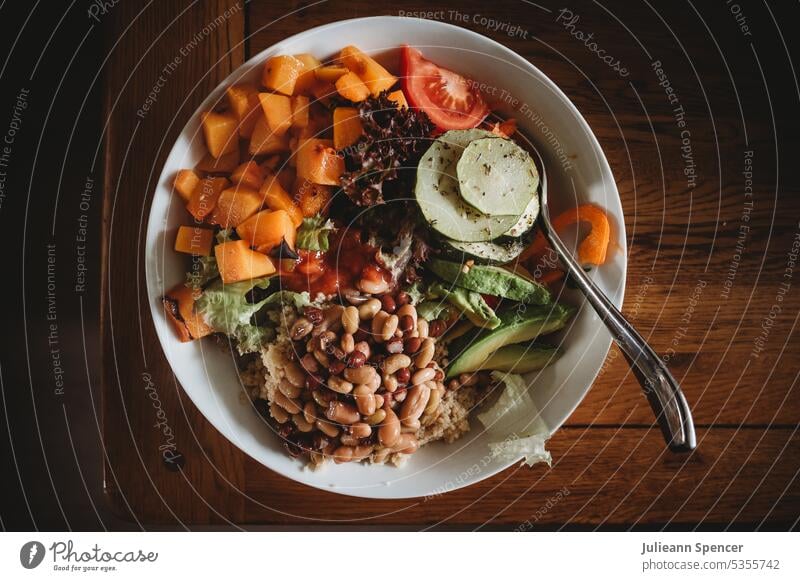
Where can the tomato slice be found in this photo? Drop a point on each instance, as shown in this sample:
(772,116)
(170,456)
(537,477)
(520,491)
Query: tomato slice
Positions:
(446,97)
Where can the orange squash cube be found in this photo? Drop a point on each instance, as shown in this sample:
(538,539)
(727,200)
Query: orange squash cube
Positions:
(266,229)
(286,176)
(306,78)
(281,73)
(221,131)
(264,141)
(399,98)
(244,103)
(179,308)
(234,206)
(312,198)
(248,174)
(275,197)
(300,110)
(323,92)
(347,127)
(204,197)
(194,240)
(225,163)
(374,76)
(237,262)
(186,181)
(278,111)
(330,74)
(352,88)
(318,162)
(270,164)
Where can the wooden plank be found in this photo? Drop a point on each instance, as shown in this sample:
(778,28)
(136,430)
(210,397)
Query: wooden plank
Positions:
(599,476)
(163,61)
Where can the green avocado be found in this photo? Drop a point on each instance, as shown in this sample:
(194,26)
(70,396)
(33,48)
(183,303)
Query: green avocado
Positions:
(491,280)
(470,304)
(518,324)
(522,358)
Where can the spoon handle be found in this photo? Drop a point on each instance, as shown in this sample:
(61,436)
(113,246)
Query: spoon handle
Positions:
(662,390)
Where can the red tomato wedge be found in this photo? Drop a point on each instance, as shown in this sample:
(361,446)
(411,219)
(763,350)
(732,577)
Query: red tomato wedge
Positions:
(446,97)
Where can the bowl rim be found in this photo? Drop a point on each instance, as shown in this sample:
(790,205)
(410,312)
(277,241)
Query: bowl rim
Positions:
(155,226)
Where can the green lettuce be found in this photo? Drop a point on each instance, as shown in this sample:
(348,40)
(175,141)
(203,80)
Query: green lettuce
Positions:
(313,234)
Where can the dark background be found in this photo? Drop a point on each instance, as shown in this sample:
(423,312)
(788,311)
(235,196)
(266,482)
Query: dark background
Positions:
(51,445)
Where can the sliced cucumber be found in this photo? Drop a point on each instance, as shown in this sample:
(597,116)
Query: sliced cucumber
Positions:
(497,175)
(494,252)
(438,195)
(527,220)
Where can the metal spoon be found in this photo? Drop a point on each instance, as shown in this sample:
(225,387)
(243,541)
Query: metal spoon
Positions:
(662,390)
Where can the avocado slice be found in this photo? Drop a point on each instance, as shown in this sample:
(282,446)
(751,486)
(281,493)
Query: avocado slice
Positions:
(470,304)
(491,280)
(518,324)
(522,358)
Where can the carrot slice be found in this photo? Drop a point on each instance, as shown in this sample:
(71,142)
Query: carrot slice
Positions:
(593,249)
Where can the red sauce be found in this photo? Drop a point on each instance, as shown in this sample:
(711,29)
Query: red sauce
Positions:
(341,267)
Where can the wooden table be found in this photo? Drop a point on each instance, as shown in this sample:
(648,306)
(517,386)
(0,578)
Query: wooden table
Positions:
(709,293)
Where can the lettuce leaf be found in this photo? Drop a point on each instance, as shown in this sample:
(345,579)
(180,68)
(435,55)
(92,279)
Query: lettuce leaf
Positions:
(515,404)
(313,234)
(203,271)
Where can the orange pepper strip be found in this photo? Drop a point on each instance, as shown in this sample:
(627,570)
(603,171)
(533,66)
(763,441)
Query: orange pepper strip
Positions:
(594,248)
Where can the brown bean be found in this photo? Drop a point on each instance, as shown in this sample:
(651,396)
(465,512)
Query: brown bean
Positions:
(349,440)
(313,314)
(369,309)
(355,359)
(395,362)
(310,412)
(433,402)
(425,354)
(422,328)
(378,401)
(412,345)
(373,287)
(322,357)
(327,428)
(336,367)
(406,444)
(343,454)
(409,310)
(389,432)
(422,375)
(388,304)
(390,383)
(302,424)
(376,418)
(300,328)
(361,430)
(294,373)
(332,318)
(410,427)
(339,385)
(342,413)
(389,327)
(377,324)
(361,452)
(278,413)
(403,375)
(350,319)
(406,324)
(354,297)
(415,403)
(288,389)
(310,364)
(402,298)
(363,346)
(364,400)
(347,343)
(363,374)
(289,405)
(436,328)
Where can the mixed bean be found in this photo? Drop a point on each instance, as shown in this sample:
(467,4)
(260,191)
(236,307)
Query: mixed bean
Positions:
(360,380)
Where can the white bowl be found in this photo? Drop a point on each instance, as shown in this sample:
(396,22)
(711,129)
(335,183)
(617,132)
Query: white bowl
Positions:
(209,375)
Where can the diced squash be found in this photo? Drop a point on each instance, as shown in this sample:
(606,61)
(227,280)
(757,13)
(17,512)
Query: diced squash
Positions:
(186,181)
(237,261)
(266,229)
(194,240)
(300,110)
(248,174)
(278,111)
(375,77)
(347,127)
(204,197)
(179,307)
(307,78)
(286,177)
(234,206)
(275,197)
(221,131)
(225,163)
(312,198)
(281,73)
(270,164)
(398,97)
(244,103)
(352,88)
(264,141)
(330,74)
(318,162)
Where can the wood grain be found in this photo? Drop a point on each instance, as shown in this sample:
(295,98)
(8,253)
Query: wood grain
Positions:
(608,457)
